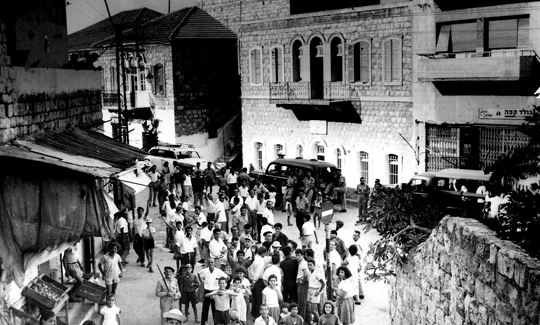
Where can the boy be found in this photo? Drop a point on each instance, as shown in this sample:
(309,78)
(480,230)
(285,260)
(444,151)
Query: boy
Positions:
(318,210)
(264,319)
(222,298)
(188,283)
(110,267)
(316,288)
(308,232)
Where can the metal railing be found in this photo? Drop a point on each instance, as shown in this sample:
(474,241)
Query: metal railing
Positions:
(312,90)
(492,53)
(110,99)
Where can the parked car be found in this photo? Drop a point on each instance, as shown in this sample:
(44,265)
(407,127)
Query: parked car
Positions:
(278,171)
(452,188)
(182,153)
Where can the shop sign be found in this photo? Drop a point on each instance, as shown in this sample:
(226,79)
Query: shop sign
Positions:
(318,127)
(505,114)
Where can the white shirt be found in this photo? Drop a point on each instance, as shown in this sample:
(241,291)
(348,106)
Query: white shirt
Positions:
(239,197)
(273,269)
(269,215)
(260,206)
(178,237)
(346,236)
(187,181)
(217,247)
(211,279)
(153,176)
(139,224)
(251,202)
(188,245)
(257,268)
(201,218)
(232,178)
(243,191)
(174,217)
(335,258)
(220,212)
(206,234)
(121,223)
(308,229)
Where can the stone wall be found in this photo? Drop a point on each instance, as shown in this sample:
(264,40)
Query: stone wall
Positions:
(465,274)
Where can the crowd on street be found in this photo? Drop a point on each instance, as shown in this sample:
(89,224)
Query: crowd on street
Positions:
(251,269)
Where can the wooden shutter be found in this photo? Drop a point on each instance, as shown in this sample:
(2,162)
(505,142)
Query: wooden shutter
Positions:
(258,74)
(523,33)
(253,67)
(273,65)
(279,65)
(443,41)
(387,63)
(364,62)
(396,61)
(350,63)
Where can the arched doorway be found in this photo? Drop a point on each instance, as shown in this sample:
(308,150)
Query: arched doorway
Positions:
(316,68)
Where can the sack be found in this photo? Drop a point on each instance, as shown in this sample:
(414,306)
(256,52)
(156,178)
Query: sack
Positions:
(199,294)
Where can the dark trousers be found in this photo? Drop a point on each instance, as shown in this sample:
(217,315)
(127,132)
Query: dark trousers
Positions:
(123,240)
(303,304)
(256,299)
(207,303)
(289,291)
(198,198)
(138,247)
(300,220)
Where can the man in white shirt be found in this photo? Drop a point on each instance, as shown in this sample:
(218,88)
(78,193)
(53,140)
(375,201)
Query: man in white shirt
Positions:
(188,248)
(201,218)
(209,277)
(236,194)
(122,235)
(256,271)
(138,226)
(302,285)
(268,214)
(205,238)
(154,177)
(308,232)
(335,259)
(266,228)
(251,204)
(221,217)
(356,238)
(243,190)
(217,248)
(178,239)
(259,209)
(232,181)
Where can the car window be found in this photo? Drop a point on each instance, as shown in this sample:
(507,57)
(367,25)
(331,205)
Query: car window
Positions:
(182,155)
(162,153)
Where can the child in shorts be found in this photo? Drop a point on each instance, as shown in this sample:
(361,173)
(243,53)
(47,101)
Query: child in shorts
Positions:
(188,284)
(318,210)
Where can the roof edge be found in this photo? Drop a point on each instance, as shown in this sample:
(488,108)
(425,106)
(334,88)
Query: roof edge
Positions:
(175,31)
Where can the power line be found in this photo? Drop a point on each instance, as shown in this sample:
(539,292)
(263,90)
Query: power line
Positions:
(99,13)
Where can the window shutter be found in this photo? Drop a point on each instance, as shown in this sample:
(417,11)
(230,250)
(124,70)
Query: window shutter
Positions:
(279,70)
(258,77)
(273,65)
(523,33)
(253,66)
(443,40)
(387,63)
(364,62)
(350,63)
(396,61)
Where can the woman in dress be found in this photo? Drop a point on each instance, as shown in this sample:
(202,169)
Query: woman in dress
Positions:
(345,293)
(110,314)
(329,316)
(353,264)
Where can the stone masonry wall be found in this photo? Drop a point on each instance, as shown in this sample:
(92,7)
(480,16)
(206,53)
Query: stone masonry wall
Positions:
(465,274)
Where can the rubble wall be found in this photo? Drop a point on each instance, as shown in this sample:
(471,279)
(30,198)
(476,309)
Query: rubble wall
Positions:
(465,274)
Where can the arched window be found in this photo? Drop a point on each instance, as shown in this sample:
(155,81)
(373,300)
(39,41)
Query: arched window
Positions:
(316,68)
(159,82)
(320,152)
(114,85)
(297,61)
(279,150)
(259,155)
(338,158)
(336,59)
(393,168)
(364,165)
(255,66)
(299,151)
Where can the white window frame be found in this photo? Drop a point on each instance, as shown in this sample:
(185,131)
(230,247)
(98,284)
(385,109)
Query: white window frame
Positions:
(363,166)
(299,150)
(277,148)
(282,49)
(318,152)
(349,51)
(339,158)
(259,48)
(393,168)
(259,155)
(399,39)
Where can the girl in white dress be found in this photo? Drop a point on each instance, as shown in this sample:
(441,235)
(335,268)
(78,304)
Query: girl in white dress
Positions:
(239,302)
(110,314)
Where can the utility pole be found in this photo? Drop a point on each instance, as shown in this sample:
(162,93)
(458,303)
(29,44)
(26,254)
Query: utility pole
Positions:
(123,135)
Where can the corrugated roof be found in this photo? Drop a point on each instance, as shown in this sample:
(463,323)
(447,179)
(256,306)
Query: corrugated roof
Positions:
(190,22)
(83,150)
(85,38)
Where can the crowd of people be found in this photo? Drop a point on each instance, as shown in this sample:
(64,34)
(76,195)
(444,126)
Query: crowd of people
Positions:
(250,268)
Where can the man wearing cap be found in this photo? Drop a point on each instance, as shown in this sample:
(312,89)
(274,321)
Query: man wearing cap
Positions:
(148,242)
(256,271)
(279,236)
(267,240)
(168,292)
(276,250)
(289,266)
(363,192)
(209,277)
(173,317)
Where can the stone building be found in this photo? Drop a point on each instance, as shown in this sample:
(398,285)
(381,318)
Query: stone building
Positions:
(181,69)
(475,79)
(326,80)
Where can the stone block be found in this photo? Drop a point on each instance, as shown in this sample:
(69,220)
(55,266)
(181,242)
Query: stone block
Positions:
(9,110)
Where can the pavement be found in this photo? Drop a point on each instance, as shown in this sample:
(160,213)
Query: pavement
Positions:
(140,306)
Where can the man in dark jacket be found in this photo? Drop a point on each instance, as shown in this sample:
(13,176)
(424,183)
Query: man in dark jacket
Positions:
(289,266)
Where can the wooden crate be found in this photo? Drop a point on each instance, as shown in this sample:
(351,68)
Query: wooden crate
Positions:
(43,301)
(24,317)
(91,291)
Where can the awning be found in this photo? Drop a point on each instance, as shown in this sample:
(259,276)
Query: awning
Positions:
(134,180)
(331,111)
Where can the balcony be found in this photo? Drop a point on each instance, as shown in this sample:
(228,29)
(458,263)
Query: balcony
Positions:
(110,99)
(309,92)
(497,65)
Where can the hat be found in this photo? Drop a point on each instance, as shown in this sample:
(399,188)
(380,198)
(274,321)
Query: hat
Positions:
(148,220)
(174,314)
(248,237)
(168,268)
(276,244)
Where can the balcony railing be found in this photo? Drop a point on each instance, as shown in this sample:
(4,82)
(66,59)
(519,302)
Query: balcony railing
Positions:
(311,91)
(487,54)
(110,99)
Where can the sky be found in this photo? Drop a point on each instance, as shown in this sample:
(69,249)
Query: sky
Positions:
(83,13)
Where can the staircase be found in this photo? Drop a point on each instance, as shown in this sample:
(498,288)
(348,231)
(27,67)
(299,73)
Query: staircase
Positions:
(232,141)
